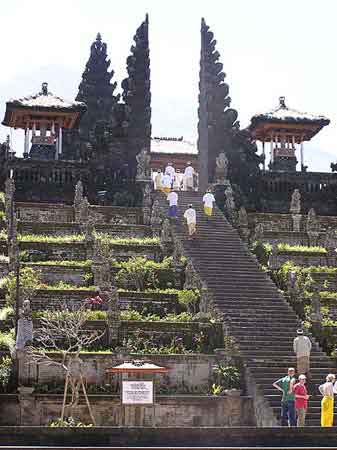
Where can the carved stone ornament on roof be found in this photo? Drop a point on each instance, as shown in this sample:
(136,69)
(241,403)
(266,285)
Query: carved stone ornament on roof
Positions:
(295,204)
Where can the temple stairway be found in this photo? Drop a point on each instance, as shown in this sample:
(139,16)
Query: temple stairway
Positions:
(260,319)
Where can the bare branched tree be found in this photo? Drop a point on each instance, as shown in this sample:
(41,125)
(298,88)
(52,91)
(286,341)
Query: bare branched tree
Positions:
(64,332)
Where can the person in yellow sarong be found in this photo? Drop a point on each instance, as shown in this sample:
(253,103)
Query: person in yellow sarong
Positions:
(208,200)
(328,389)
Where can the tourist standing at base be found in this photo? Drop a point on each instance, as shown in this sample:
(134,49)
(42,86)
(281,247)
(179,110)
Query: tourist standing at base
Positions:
(172,198)
(188,183)
(301,400)
(208,200)
(302,348)
(191,218)
(285,385)
(328,389)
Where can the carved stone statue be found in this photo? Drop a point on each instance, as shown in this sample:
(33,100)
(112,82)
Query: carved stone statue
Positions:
(25,326)
(78,194)
(330,240)
(192,279)
(143,164)
(111,299)
(243,223)
(258,231)
(156,218)
(312,221)
(230,203)
(221,168)
(316,313)
(295,204)
(312,227)
(166,235)
(83,210)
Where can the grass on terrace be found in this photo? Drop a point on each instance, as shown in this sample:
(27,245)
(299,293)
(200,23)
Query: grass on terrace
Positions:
(74,238)
(287,248)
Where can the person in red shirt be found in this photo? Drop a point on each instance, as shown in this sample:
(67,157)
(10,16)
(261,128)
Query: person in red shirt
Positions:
(301,400)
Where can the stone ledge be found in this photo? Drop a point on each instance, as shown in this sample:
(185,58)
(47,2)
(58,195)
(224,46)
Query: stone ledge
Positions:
(310,437)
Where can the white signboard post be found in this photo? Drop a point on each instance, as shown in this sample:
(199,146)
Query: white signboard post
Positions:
(137,392)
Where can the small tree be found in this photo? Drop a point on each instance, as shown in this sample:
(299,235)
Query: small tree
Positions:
(65,334)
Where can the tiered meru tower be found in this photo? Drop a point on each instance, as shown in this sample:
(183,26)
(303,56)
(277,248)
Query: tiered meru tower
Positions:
(218,128)
(95,138)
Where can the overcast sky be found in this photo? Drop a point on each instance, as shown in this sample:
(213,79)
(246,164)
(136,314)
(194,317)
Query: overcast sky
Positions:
(268,48)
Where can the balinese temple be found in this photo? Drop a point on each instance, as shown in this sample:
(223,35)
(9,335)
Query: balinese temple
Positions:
(43,117)
(285,130)
(176,151)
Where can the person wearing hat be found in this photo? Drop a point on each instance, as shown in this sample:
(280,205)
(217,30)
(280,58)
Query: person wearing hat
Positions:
(301,400)
(302,349)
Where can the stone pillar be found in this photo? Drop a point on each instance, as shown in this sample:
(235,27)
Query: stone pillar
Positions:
(78,198)
(243,223)
(29,412)
(156,218)
(110,296)
(147,202)
(166,237)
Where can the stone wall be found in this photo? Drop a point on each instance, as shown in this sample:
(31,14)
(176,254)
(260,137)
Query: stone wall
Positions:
(168,411)
(301,259)
(188,370)
(54,274)
(283,222)
(49,212)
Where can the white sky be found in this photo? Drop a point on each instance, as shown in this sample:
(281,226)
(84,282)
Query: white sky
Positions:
(268,48)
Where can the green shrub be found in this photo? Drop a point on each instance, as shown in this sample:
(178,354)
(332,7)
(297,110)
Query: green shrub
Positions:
(2,199)
(262,251)
(228,377)
(63,263)
(7,341)
(29,282)
(6,313)
(65,239)
(106,238)
(70,422)
(287,248)
(5,371)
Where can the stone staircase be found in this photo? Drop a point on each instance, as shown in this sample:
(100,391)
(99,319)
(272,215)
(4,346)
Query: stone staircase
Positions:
(260,319)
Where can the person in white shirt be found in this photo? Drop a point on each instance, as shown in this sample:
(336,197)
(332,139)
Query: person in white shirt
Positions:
(158,180)
(208,200)
(188,183)
(169,170)
(302,349)
(166,183)
(191,218)
(328,389)
(177,181)
(172,198)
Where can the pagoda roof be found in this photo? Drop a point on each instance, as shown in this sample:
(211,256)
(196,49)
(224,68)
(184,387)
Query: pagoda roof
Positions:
(43,102)
(170,145)
(283,116)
